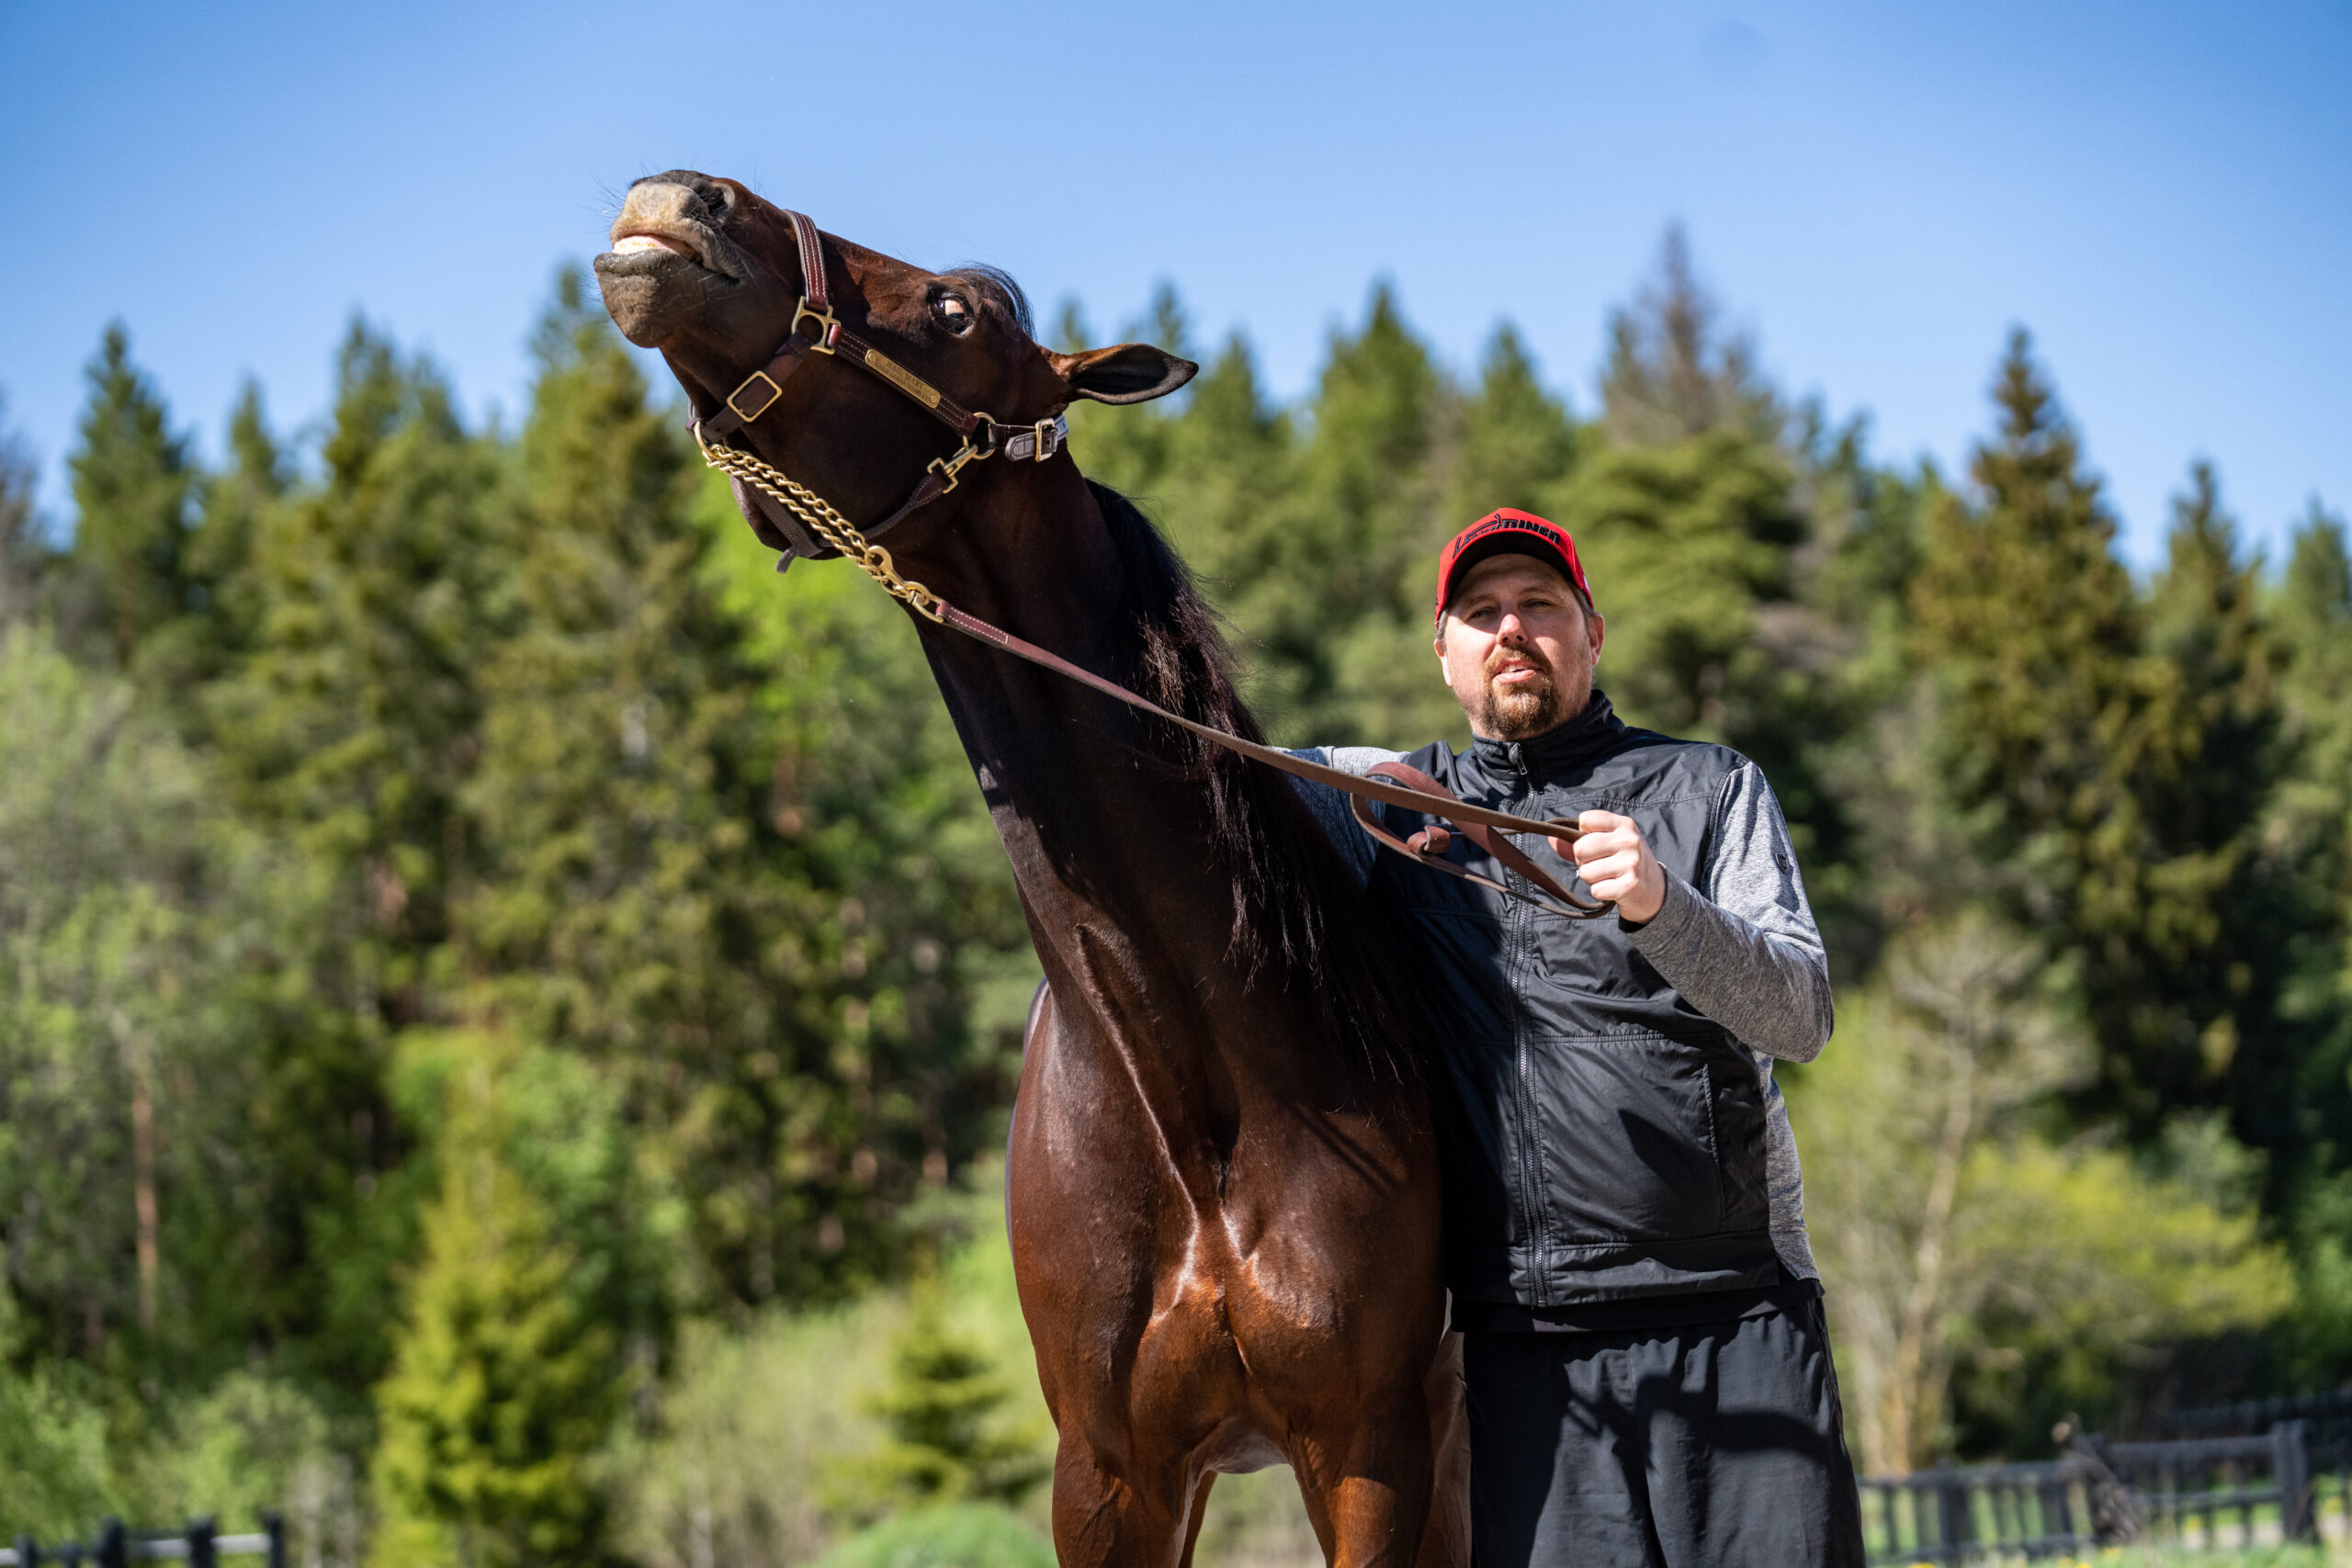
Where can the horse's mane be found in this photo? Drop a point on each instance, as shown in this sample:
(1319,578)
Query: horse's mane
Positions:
(1299,917)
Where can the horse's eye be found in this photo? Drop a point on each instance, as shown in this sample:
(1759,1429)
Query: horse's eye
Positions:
(954,314)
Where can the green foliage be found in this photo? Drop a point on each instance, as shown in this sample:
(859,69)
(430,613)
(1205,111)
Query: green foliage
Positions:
(940,1409)
(134,482)
(24,554)
(129,901)
(2107,759)
(630,853)
(473,933)
(56,1475)
(225,623)
(2028,621)
(2101,1268)
(1963,1236)
(966,1534)
(745,1464)
(1685,546)
(354,614)
(380,595)
(248,1445)
(1673,373)
(506,1378)
(2306,859)
(913,962)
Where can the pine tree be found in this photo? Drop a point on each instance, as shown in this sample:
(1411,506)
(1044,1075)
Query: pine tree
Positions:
(2313,629)
(221,554)
(1518,442)
(347,728)
(376,598)
(2210,911)
(947,1442)
(134,482)
(1218,476)
(2205,622)
(639,903)
(1509,444)
(1672,373)
(130,905)
(2023,610)
(24,554)
(2306,839)
(2061,740)
(1350,554)
(504,1385)
(1684,546)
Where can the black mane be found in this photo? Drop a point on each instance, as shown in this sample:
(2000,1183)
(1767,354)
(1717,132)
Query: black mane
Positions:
(1298,914)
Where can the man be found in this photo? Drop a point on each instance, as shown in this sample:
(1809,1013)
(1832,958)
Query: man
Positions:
(1650,1378)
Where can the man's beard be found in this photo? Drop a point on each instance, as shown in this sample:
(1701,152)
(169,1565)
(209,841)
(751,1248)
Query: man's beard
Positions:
(1526,709)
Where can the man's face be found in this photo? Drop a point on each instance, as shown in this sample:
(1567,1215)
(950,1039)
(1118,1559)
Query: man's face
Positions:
(1518,649)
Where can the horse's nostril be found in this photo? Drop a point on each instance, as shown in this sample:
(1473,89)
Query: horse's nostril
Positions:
(715,199)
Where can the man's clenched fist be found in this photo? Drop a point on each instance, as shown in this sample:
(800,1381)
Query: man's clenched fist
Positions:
(1616,863)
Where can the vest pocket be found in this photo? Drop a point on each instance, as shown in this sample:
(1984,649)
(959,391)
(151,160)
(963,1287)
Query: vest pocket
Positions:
(1639,1140)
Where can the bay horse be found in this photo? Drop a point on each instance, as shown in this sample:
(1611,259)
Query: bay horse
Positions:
(1222,1185)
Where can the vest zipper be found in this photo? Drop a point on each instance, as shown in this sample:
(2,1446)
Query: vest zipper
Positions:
(1521,929)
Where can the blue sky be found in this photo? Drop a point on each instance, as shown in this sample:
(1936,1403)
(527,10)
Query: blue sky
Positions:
(2161,193)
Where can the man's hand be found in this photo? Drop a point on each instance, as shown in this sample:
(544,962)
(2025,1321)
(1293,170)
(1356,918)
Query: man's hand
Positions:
(1616,863)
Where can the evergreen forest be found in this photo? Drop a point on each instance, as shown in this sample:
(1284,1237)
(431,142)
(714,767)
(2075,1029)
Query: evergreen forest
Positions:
(507,1008)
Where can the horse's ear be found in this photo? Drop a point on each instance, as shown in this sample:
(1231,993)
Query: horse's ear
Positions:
(1126,373)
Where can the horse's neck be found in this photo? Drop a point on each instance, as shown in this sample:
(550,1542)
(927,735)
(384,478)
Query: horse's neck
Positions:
(1114,842)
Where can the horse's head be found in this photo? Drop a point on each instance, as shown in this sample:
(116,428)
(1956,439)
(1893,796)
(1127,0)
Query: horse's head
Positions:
(712,276)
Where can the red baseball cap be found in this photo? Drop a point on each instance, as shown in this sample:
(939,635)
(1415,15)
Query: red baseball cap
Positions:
(1505,530)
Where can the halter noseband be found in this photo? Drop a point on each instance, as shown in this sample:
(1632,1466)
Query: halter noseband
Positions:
(815,331)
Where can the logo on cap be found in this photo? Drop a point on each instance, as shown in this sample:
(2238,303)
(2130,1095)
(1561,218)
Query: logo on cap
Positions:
(1549,540)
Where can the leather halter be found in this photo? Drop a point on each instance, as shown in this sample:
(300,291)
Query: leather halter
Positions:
(815,331)
(983,437)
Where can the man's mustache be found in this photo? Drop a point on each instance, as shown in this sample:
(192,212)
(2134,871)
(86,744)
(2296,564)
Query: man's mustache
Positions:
(1529,656)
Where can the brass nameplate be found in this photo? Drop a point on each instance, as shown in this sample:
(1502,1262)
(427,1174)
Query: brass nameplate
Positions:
(905,381)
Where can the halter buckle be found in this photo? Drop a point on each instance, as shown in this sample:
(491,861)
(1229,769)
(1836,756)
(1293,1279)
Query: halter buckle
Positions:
(748,414)
(1047,439)
(826,326)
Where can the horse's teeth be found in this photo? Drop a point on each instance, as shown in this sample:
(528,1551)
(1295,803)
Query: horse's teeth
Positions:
(638,242)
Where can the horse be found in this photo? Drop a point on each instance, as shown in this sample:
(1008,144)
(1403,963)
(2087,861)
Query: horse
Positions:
(1222,1183)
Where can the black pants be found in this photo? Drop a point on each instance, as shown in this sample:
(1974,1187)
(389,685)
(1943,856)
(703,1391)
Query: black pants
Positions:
(1706,1447)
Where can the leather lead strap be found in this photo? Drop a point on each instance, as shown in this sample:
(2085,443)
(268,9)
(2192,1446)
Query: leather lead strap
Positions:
(1429,846)
(1422,794)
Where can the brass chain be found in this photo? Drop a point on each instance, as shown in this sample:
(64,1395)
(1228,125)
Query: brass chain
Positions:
(819,517)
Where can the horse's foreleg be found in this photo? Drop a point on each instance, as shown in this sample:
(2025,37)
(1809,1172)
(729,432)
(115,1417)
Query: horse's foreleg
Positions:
(1199,1512)
(1370,1502)
(1134,1517)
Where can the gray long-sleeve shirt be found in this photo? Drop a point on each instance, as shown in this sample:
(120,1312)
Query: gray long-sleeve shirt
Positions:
(1742,949)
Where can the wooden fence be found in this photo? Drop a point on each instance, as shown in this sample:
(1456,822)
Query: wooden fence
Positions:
(2199,1490)
(198,1545)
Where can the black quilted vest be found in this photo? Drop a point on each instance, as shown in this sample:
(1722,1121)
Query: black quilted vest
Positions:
(1603,1142)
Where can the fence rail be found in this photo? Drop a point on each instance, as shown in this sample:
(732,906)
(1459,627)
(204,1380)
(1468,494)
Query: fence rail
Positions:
(2098,1495)
(198,1544)
(2325,1415)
